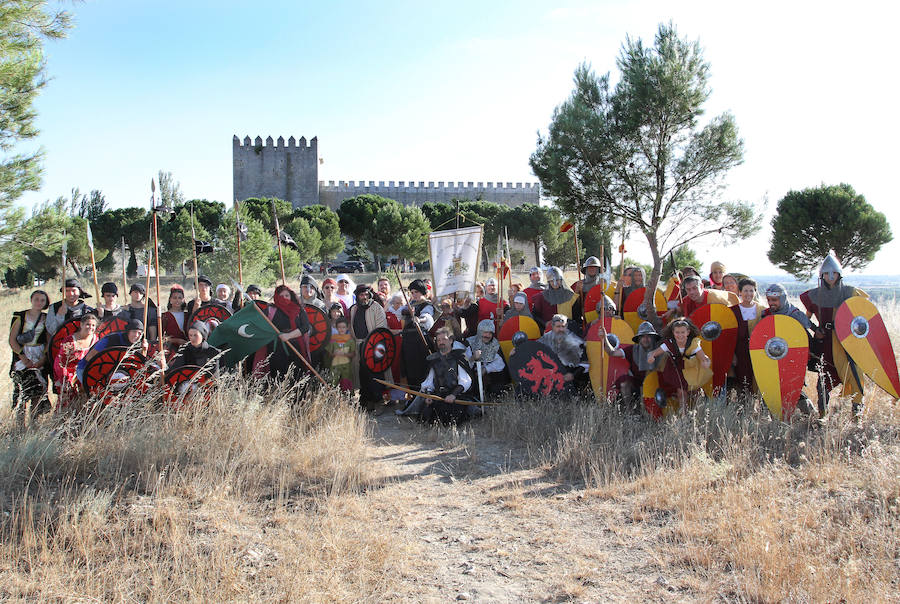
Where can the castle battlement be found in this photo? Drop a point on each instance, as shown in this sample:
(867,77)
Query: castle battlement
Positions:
(290,171)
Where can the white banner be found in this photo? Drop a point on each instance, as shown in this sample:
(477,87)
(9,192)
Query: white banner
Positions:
(454,260)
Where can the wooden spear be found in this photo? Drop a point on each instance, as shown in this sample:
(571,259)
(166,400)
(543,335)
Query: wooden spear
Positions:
(194,250)
(278,239)
(412,311)
(237,226)
(124,271)
(90,242)
(159,331)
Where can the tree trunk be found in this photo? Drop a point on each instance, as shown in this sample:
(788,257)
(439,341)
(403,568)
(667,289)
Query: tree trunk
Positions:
(537,252)
(653,282)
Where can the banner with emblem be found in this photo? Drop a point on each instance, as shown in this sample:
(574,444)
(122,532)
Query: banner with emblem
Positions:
(454,260)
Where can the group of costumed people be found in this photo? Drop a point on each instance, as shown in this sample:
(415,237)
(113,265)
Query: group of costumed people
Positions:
(448,358)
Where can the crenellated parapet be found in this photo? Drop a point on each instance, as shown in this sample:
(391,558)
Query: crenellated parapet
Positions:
(418,192)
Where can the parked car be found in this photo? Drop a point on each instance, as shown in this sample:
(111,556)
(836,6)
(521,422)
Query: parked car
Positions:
(348,266)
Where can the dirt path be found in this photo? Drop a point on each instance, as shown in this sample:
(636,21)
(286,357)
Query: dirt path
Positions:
(485,531)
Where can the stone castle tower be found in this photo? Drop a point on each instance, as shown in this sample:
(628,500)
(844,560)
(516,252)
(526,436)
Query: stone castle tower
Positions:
(291,172)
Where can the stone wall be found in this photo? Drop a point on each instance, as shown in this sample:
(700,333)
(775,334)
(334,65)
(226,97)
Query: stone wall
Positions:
(290,171)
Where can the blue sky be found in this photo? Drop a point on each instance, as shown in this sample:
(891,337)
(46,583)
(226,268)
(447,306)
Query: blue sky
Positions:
(454,91)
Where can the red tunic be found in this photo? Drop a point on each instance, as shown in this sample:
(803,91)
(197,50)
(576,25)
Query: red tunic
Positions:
(532,293)
(488,309)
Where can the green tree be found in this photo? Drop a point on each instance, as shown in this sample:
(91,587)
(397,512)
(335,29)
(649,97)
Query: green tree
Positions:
(638,152)
(24,26)
(131,223)
(326,222)
(209,214)
(256,252)
(357,215)
(175,243)
(260,208)
(400,231)
(810,223)
(534,224)
(292,263)
(441,216)
(307,238)
(169,190)
(591,239)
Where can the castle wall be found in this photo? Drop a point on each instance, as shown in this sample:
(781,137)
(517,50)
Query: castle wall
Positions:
(275,169)
(291,171)
(417,193)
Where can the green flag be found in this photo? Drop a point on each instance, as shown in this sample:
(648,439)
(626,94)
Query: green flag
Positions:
(242,334)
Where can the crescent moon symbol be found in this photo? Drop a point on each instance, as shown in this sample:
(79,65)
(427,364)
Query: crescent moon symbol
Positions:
(242,331)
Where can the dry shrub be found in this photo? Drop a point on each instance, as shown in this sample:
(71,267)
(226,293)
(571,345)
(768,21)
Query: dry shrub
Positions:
(242,498)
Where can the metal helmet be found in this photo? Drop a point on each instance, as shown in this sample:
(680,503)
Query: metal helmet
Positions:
(777,290)
(592,261)
(554,274)
(645,329)
(519,337)
(486,325)
(831,265)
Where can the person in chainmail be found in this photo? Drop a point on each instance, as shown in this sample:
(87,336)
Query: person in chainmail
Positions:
(567,346)
(485,347)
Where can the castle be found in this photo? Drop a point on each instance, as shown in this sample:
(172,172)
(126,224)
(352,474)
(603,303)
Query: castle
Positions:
(291,172)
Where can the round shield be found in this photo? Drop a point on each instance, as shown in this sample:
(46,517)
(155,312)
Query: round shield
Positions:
(209,311)
(178,382)
(320,331)
(106,363)
(113,325)
(379,350)
(65,330)
(711,330)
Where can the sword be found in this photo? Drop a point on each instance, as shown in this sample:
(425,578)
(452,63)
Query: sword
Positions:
(480,384)
(433,397)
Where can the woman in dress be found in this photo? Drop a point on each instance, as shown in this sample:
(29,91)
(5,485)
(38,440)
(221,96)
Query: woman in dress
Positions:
(27,339)
(135,309)
(293,323)
(71,351)
(681,345)
(173,320)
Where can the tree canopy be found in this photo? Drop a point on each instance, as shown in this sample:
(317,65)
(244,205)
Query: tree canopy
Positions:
(638,151)
(326,222)
(810,223)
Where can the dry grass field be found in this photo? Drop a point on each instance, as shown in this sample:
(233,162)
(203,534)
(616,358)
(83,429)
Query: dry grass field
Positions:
(290,498)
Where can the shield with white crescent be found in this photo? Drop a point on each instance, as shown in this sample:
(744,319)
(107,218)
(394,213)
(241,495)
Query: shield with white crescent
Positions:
(634,310)
(320,331)
(718,338)
(779,348)
(604,369)
(511,326)
(210,311)
(379,350)
(860,329)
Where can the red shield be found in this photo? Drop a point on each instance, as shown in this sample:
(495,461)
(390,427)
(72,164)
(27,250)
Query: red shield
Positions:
(860,329)
(320,330)
(779,349)
(114,325)
(379,350)
(210,311)
(65,330)
(718,333)
(106,363)
(511,326)
(604,369)
(181,382)
(634,311)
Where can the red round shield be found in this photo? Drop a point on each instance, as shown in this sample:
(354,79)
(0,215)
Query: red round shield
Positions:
(210,311)
(100,369)
(320,330)
(177,379)
(379,350)
(111,326)
(65,330)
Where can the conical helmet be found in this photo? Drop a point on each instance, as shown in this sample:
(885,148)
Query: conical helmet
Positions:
(831,265)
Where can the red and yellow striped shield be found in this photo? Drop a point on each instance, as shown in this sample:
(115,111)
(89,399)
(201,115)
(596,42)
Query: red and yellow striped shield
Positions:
(511,326)
(654,395)
(605,372)
(779,349)
(633,307)
(718,338)
(860,329)
(591,299)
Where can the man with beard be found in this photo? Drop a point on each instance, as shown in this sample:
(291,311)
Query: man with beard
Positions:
(487,305)
(534,289)
(413,350)
(836,366)
(696,296)
(567,346)
(644,342)
(447,377)
(485,347)
(70,307)
(556,299)
(776,297)
(366,317)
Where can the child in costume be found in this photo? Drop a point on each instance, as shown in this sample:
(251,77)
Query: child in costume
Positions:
(341,351)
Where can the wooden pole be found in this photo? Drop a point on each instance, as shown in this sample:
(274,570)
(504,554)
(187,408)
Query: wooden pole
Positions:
(289,344)
(124,271)
(159,331)
(278,240)
(194,250)
(578,268)
(621,285)
(237,226)
(433,397)
(411,311)
(146,292)
(602,326)
(65,247)
(90,239)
